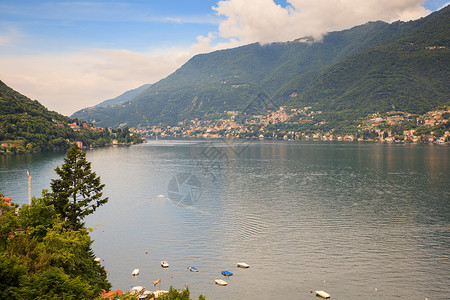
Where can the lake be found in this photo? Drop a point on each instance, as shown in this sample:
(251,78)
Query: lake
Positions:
(357,220)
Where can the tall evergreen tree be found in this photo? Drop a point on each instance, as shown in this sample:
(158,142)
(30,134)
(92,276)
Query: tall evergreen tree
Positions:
(78,192)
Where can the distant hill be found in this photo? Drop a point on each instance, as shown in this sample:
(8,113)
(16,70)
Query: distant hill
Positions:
(366,69)
(28,126)
(125,97)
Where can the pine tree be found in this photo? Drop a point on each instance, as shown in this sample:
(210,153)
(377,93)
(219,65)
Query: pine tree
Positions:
(78,192)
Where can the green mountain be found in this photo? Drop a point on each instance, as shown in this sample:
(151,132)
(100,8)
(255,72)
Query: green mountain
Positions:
(125,97)
(409,75)
(370,68)
(28,126)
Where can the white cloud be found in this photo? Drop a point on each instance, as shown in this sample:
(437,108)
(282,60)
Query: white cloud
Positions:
(265,21)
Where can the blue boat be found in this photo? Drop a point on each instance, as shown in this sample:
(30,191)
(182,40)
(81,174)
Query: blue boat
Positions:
(226,273)
(193,269)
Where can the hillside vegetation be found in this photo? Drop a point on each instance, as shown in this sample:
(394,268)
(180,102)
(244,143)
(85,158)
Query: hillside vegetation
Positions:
(28,126)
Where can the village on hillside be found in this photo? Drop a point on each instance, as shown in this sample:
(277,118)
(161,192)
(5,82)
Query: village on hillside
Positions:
(302,124)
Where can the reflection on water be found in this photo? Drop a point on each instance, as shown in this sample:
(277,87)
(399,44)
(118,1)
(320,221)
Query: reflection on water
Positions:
(360,221)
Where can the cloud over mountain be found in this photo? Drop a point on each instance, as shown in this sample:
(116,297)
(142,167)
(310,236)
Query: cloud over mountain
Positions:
(265,21)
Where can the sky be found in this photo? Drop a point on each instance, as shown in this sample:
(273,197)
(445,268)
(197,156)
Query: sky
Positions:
(69,55)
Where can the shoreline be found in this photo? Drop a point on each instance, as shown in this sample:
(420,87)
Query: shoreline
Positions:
(64,150)
(168,138)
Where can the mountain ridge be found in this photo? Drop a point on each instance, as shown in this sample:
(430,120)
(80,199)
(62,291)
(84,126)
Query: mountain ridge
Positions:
(227,80)
(125,97)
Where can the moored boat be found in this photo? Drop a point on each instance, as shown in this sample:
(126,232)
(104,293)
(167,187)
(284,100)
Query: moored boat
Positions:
(243,265)
(135,272)
(323,294)
(220,282)
(193,269)
(226,273)
(164,264)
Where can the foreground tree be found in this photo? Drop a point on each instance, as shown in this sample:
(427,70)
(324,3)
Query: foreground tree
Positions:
(78,192)
(44,258)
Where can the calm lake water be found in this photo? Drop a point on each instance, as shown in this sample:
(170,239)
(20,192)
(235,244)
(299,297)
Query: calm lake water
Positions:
(358,220)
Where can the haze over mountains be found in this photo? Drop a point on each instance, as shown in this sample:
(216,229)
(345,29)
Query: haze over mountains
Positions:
(125,97)
(376,67)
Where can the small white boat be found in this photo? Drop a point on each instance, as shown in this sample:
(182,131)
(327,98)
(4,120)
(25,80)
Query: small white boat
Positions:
(323,294)
(220,282)
(243,265)
(164,264)
(135,272)
(97,259)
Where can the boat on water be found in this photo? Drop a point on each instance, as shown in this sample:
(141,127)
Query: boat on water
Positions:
(193,269)
(323,294)
(226,273)
(164,264)
(135,272)
(243,265)
(220,282)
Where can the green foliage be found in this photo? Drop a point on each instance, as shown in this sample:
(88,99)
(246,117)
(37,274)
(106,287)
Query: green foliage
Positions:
(11,273)
(38,217)
(78,191)
(175,294)
(55,284)
(47,259)
(8,222)
(71,250)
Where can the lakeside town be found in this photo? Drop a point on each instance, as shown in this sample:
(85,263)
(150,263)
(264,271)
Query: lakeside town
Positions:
(306,124)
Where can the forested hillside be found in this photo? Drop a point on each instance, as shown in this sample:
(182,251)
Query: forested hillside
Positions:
(28,126)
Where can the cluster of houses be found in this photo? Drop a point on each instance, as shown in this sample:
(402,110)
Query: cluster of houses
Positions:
(264,126)
(230,126)
(78,126)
